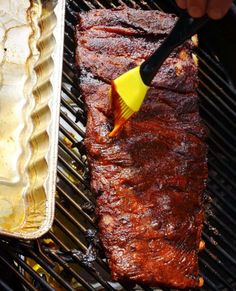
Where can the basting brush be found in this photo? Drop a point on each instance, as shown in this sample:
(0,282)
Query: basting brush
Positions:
(129,90)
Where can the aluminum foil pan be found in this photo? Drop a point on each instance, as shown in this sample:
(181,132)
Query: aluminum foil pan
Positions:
(31,50)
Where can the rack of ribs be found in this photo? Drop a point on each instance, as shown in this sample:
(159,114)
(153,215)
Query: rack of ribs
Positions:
(151,178)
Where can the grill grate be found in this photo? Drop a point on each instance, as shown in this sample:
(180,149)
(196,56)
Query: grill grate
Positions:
(69,256)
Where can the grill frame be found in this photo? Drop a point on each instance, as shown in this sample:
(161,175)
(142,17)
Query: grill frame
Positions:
(75,251)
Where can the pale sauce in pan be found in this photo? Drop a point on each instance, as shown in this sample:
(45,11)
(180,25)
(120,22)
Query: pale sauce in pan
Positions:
(18,55)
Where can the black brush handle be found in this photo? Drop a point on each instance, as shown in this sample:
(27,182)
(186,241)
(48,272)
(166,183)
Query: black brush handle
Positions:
(185,27)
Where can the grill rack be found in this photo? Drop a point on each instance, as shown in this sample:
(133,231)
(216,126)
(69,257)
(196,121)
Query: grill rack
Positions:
(69,256)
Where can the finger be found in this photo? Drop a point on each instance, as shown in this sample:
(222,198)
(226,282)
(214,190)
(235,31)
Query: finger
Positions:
(196,8)
(218,8)
(182,3)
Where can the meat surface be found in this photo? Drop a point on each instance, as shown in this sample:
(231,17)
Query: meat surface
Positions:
(150,180)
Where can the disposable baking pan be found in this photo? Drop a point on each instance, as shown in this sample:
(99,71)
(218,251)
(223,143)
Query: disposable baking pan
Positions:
(29,118)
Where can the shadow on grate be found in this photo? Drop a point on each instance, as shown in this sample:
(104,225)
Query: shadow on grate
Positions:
(69,257)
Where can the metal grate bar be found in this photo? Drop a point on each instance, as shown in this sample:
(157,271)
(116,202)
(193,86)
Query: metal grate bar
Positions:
(72,124)
(221,225)
(217,85)
(71,235)
(68,135)
(219,248)
(218,109)
(221,161)
(225,214)
(218,91)
(221,173)
(83,6)
(50,270)
(216,221)
(72,96)
(72,171)
(225,131)
(211,285)
(15,271)
(68,107)
(75,239)
(213,139)
(78,208)
(72,185)
(4,286)
(57,241)
(225,256)
(30,271)
(223,266)
(214,66)
(219,195)
(72,15)
(72,272)
(220,278)
(92,273)
(68,79)
(70,217)
(72,155)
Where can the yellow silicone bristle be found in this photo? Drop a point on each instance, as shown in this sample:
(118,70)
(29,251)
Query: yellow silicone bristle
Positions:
(126,112)
(121,116)
(127,93)
(201,282)
(131,88)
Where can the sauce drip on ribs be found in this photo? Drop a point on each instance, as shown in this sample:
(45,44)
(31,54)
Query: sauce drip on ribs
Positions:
(151,178)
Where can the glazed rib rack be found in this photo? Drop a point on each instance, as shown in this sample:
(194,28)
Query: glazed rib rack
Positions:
(70,256)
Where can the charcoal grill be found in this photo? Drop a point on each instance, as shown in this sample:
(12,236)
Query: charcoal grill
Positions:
(69,256)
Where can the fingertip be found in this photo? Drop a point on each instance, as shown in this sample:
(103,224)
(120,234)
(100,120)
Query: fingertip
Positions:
(218,8)
(195,11)
(196,8)
(215,13)
(182,3)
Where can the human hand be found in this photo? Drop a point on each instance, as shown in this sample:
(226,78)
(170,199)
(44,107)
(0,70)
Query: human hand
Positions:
(215,9)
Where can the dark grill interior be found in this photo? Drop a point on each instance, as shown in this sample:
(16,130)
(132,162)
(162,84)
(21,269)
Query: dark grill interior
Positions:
(69,257)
